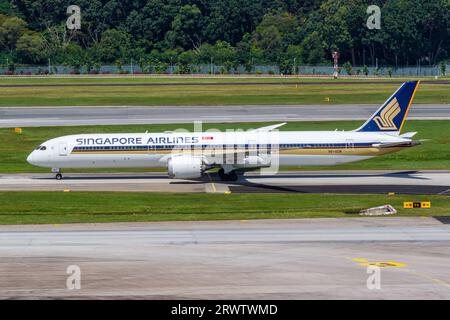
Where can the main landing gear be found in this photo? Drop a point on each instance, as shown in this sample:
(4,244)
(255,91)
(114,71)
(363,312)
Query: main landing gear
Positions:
(58,176)
(231,176)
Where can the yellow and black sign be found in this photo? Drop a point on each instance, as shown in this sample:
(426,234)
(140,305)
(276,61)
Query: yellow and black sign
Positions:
(417,205)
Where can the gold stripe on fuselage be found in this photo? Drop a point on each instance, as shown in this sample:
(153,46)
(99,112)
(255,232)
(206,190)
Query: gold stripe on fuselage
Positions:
(364,151)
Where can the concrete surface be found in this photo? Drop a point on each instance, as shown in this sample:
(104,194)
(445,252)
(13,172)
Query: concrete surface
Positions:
(259,259)
(367,181)
(65,116)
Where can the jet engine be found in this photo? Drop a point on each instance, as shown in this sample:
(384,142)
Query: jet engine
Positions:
(185,167)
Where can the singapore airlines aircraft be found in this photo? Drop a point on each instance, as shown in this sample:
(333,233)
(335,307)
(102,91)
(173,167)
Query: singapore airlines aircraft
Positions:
(190,155)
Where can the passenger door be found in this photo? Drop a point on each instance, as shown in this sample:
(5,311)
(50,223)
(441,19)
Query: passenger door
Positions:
(63,149)
(349,144)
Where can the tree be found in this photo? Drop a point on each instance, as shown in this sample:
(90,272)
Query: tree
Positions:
(341,25)
(75,57)
(11,29)
(30,48)
(115,44)
(294,55)
(348,68)
(443,68)
(221,53)
(313,51)
(274,34)
(185,61)
(187,28)
(258,31)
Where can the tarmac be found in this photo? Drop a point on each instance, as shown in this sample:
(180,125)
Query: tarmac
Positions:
(343,181)
(257,259)
(71,116)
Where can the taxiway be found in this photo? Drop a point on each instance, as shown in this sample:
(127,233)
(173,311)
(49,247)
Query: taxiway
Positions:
(364,181)
(258,259)
(72,116)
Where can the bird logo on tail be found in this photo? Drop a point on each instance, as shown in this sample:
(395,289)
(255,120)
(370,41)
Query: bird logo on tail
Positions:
(385,121)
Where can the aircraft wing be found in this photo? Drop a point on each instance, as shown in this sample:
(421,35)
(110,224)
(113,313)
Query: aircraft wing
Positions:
(269,128)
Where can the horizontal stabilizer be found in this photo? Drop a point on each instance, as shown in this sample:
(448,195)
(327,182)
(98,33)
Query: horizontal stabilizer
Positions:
(396,144)
(408,135)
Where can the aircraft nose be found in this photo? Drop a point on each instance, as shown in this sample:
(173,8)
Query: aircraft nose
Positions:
(30,158)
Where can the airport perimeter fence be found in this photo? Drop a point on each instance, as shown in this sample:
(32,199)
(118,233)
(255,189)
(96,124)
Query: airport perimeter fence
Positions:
(220,69)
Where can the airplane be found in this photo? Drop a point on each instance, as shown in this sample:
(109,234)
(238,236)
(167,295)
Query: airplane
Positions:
(191,155)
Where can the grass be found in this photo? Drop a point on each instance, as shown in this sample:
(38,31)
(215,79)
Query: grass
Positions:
(89,207)
(273,93)
(433,154)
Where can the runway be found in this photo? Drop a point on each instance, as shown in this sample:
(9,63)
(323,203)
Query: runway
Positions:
(365,181)
(258,259)
(71,116)
(216,83)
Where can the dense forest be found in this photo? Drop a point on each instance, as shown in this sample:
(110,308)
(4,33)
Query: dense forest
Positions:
(226,32)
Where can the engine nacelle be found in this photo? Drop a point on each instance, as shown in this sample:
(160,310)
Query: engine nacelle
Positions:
(185,167)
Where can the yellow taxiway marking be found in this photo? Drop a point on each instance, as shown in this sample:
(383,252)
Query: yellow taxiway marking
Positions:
(382,264)
(213,185)
(425,276)
(364,263)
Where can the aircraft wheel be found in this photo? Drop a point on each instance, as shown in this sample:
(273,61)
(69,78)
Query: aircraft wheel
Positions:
(233,176)
(58,176)
(222,174)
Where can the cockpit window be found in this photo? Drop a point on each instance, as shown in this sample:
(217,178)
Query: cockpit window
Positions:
(43,148)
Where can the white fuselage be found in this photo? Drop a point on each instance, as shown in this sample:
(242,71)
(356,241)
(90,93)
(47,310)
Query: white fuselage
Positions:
(298,148)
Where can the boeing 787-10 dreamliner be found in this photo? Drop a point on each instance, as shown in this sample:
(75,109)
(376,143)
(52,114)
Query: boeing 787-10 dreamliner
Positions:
(190,155)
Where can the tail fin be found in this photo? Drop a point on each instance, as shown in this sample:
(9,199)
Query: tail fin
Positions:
(391,116)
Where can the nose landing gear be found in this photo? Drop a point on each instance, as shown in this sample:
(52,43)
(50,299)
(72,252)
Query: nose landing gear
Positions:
(58,173)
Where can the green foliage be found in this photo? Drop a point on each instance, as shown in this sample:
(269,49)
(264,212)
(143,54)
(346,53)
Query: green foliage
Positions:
(231,32)
(7,8)
(366,70)
(96,207)
(443,68)
(11,29)
(348,68)
(390,72)
(115,44)
(187,28)
(30,48)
